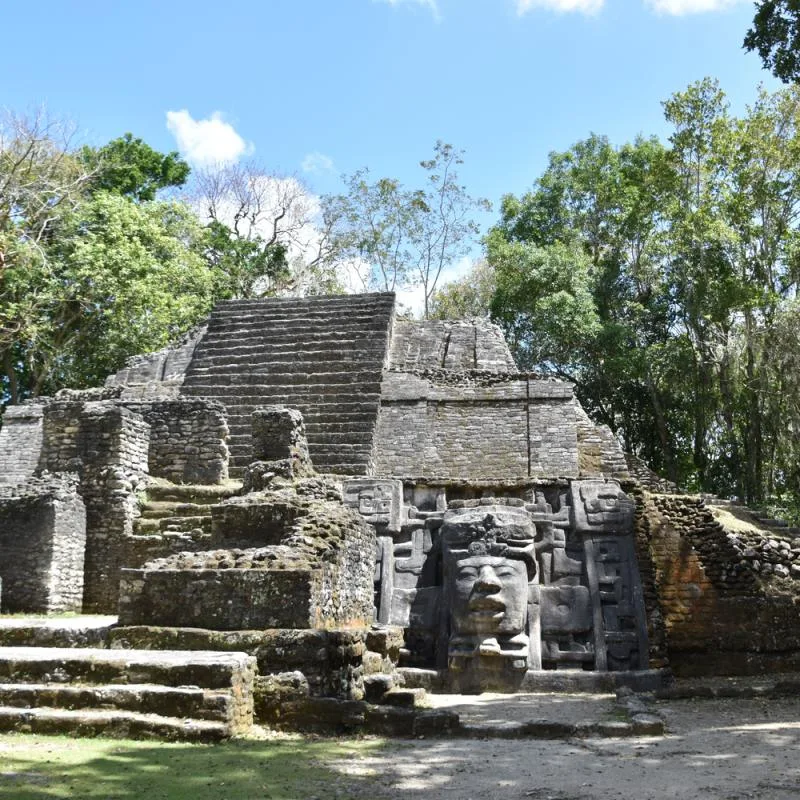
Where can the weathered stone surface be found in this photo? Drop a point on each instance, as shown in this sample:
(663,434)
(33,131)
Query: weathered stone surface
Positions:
(42,545)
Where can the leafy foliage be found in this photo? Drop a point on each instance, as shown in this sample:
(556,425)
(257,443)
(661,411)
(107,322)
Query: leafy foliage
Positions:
(406,236)
(776,36)
(130,167)
(675,309)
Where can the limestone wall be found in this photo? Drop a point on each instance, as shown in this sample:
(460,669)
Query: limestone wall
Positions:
(599,453)
(474,344)
(475,426)
(285,560)
(729,600)
(20,443)
(187,439)
(42,543)
(107,446)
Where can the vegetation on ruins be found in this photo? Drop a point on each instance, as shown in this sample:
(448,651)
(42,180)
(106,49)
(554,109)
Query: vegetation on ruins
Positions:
(91,270)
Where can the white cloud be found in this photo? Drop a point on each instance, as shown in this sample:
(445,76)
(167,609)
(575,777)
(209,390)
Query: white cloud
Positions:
(206,142)
(681,7)
(431,5)
(582,6)
(317,163)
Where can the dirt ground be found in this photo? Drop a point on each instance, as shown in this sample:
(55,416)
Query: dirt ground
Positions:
(723,749)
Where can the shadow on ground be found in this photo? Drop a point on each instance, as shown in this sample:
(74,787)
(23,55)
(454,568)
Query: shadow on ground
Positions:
(280,769)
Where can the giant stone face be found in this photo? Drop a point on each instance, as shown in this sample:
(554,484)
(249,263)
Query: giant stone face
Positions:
(490,563)
(490,595)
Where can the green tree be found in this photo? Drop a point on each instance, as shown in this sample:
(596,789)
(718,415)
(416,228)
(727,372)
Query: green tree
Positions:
(776,36)
(266,233)
(693,274)
(130,167)
(124,278)
(87,276)
(406,237)
(469,296)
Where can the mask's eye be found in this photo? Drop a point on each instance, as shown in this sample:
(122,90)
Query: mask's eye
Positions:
(506,572)
(467,572)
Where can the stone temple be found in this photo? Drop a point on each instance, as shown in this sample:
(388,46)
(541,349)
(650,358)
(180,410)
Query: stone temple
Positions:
(317,508)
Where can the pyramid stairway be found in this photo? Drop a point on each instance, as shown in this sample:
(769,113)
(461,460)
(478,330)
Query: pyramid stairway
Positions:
(323,356)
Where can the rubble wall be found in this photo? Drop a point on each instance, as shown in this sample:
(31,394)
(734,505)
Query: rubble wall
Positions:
(730,603)
(107,445)
(187,439)
(284,561)
(157,375)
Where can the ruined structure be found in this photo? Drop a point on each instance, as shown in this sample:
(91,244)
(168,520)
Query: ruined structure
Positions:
(362,502)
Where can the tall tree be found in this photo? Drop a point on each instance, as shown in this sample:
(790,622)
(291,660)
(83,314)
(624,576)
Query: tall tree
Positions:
(407,237)
(88,276)
(693,268)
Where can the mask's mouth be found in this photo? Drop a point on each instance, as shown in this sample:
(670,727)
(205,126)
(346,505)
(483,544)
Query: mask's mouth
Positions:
(487,606)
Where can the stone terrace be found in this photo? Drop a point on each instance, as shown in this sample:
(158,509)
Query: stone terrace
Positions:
(323,356)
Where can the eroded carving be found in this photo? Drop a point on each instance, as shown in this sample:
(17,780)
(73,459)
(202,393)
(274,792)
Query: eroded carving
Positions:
(490,565)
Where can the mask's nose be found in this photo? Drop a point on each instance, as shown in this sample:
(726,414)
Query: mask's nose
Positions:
(488,581)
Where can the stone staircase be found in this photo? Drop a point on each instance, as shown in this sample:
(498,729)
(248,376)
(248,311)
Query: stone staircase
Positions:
(187,696)
(173,508)
(323,356)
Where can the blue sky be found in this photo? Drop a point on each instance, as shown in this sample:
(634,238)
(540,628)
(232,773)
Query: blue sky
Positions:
(340,84)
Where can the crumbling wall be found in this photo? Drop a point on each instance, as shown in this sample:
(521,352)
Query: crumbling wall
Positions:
(42,544)
(20,442)
(730,603)
(599,453)
(284,560)
(187,439)
(107,445)
(475,425)
(157,375)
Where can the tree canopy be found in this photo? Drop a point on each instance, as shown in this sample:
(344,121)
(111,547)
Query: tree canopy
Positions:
(775,34)
(660,278)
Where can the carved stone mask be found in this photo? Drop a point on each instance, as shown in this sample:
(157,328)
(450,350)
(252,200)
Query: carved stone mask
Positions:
(490,595)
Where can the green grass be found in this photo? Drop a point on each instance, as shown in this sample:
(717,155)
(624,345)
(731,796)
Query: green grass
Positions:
(285,768)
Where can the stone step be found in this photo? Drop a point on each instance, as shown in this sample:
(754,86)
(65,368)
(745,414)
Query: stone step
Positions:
(318,413)
(355,437)
(273,307)
(251,341)
(86,630)
(314,319)
(301,383)
(354,469)
(328,301)
(170,701)
(144,526)
(190,493)
(183,524)
(114,724)
(268,364)
(157,509)
(311,327)
(205,669)
(241,428)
